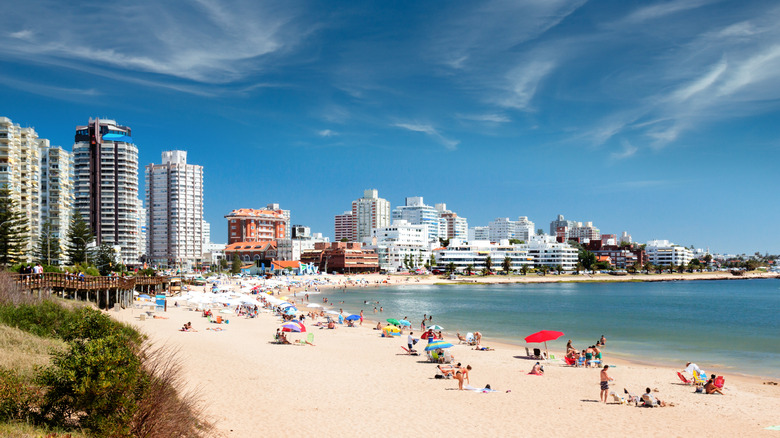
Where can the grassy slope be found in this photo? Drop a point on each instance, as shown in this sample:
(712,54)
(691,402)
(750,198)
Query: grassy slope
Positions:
(24,351)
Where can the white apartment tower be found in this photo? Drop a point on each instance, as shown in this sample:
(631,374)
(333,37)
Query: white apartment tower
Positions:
(56,190)
(343,226)
(368,213)
(106,185)
(455,227)
(174,198)
(20,172)
(415,212)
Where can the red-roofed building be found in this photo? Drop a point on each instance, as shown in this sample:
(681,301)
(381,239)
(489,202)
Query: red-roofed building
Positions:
(265,251)
(342,257)
(250,225)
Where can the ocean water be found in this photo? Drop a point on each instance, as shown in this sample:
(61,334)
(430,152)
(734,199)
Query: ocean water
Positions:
(726,326)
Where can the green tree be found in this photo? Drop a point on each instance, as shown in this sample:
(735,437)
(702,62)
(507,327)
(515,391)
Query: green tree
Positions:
(444,242)
(223,264)
(451,268)
(648,267)
(707,259)
(344,239)
(433,261)
(488,264)
(78,239)
(105,259)
(516,242)
(578,267)
(48,248)
(587,258)
(635,267)
(540,232)
(236,267)
(681,268)
(543,269)
(559,268)
(507,265)
(469,269)
(524,269)
(13,230)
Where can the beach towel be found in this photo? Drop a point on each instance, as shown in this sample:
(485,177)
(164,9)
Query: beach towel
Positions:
(482,390)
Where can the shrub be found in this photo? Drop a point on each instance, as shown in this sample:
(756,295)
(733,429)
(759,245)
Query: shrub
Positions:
(93,385)
(18,397)
(45,318)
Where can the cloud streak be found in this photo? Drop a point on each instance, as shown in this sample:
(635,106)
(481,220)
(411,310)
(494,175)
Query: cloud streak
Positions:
(431,132)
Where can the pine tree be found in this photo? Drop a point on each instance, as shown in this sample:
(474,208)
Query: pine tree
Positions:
(79,238)
(13,230)
(47,251)
(236,268)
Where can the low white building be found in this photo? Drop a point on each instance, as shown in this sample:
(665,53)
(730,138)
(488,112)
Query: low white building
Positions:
(664,253)
(401,244)
(546,250)
(475,253)
(479,233)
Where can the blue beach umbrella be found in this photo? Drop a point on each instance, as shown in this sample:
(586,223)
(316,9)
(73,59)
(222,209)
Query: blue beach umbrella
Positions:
(437,344)
(404,322)
(352,317)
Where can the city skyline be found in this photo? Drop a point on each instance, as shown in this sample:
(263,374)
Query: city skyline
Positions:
(657,119)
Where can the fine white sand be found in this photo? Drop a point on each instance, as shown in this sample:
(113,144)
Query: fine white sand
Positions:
(354,383)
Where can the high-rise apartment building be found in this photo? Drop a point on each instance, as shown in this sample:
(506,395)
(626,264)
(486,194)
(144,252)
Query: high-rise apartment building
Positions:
(524,229)
(415,212)
(454,226)
(250,225)
(174,196)
(106,185)
(368,213)
(20,172)
(56,191)
(343,226)
(558,224)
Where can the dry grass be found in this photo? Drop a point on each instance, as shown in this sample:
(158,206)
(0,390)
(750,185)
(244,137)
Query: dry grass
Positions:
(163,411)
(23,351)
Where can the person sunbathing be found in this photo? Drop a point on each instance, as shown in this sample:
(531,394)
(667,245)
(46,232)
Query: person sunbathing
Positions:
(480,348)
(462,338)
(710,387)
(651,401)
(448,370)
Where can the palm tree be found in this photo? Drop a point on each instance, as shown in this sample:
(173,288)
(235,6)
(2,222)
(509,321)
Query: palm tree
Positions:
(559,268)
(648,267)
(544,269)
(469,269)
(488,264)
(451,268)
(524,269)
(507,265)
(578,267)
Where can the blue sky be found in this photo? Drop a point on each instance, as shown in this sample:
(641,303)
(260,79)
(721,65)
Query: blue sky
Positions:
(659,118)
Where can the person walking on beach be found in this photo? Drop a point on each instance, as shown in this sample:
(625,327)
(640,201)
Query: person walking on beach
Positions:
(605,379)
(410,341)
(361,317)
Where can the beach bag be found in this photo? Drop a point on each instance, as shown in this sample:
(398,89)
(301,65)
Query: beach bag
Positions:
(438,376)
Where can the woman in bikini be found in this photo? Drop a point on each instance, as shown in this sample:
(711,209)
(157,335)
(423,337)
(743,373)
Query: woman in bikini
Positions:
(461,374)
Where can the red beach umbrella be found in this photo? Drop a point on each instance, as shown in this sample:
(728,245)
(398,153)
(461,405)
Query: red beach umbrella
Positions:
(543,336)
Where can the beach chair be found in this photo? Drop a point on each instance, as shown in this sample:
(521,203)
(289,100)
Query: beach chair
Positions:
(538,354)
(719,382)
(528,353)
(699,378)
(446,357)
(410,352)
(648,401)
(580,361)
(686,381)
(470,339)
(617,399)
(570,361)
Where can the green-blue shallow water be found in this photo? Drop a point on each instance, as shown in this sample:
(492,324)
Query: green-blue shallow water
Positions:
(721,325)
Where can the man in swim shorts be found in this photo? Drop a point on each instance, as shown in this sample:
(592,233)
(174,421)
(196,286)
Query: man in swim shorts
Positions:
(604,383)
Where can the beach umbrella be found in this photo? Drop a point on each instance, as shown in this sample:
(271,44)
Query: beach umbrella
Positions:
(393,321)
(291,310)
(543,336)
(404,322)
(435,327)
(352,317)
(293,326)
(437,344)
(394,331)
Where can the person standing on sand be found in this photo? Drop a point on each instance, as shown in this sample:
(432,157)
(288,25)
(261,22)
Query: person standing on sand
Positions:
(605,379)
(461,374)
(361,317)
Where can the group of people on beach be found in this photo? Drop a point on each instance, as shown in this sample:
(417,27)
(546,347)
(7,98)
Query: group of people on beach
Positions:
(590,356)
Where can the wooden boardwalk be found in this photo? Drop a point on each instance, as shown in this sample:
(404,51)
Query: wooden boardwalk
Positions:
(103,291)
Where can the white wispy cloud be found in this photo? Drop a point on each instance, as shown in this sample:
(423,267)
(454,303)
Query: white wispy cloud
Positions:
(522,83)
(326,133)
(431,131)
(662,9)
(487,118)
(205,41)
(42,89)
(628,151)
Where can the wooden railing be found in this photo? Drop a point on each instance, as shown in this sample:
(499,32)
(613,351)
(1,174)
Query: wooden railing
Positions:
(55,280)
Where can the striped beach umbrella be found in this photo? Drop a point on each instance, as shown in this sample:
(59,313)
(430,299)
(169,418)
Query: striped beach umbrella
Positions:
(437,344)
(293,326)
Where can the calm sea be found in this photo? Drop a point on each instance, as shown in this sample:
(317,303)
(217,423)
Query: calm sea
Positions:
(729,326)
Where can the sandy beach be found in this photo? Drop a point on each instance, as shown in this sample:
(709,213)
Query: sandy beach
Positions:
(355,382)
